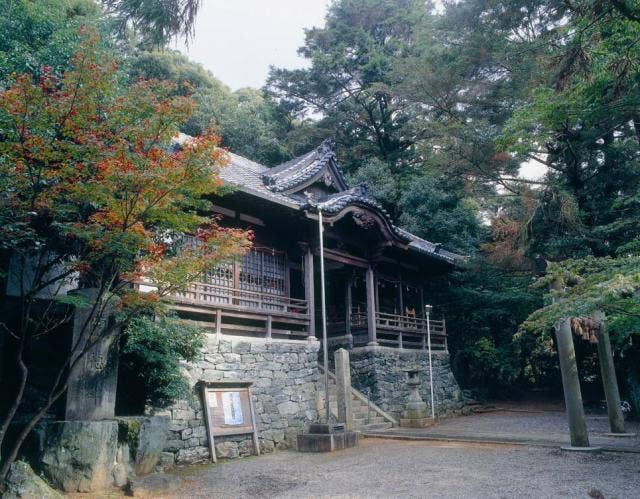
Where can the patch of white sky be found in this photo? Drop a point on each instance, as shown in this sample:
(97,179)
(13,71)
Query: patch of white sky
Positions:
(238,41)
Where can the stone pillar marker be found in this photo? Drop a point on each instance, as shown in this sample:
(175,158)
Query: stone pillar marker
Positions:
(571,385)
(343,388)
(91,395)
(609,381)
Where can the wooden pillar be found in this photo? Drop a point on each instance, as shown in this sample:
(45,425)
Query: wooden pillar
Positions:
(347,310)
(609,381)
(571,384)
(400,298)
(422,301)
(309,290)
(371,306)
(269,326)
(218,324)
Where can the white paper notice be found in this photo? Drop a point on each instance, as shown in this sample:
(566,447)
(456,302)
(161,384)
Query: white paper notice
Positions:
(232,407)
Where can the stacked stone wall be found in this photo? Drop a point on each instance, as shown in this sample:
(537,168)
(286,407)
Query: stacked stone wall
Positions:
(379,372)
(285,395)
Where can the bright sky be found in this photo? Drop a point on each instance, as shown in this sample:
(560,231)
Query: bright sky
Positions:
(238,40)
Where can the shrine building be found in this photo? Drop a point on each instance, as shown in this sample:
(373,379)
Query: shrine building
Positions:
(262,310)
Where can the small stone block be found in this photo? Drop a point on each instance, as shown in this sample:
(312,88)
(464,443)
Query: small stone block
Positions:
(571,448)
(417,423)
(327,442)
(326,428)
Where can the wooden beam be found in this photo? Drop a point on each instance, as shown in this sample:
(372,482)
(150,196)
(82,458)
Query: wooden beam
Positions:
(342,257)
(371,307)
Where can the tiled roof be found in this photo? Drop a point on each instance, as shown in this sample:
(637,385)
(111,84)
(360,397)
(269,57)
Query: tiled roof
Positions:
(269,183)
(246,175)
(297,171)
(433,249)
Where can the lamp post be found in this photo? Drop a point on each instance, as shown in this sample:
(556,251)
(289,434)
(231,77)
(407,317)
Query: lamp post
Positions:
(427,309)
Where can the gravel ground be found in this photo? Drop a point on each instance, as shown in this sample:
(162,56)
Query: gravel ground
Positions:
(548,427)
(389,468)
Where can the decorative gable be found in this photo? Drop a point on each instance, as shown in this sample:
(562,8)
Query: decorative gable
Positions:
(318,167)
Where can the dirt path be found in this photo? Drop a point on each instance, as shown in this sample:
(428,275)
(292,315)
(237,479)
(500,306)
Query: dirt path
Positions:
(385,468)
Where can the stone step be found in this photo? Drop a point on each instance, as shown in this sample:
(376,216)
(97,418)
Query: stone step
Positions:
(376,426)
(365,418)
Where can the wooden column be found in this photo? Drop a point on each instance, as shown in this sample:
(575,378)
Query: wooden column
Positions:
(269,326)
(347,310)
(309,290)
(371,306)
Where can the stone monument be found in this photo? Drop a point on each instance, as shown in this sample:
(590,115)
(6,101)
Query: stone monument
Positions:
(329,436)
(91,395)
(415,414)
(81,452)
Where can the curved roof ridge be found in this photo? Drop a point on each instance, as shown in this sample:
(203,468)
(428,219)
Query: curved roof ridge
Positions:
(297,171)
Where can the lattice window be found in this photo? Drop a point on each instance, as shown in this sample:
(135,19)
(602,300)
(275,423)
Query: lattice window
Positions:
(261,273)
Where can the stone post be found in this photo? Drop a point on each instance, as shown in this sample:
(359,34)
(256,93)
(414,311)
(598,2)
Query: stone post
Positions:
(609,381)
(571,384)
(91,395)
(343,388)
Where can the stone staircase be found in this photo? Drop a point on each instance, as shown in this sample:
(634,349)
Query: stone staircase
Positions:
(366,415)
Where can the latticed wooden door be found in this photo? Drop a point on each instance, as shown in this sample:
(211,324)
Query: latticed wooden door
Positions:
(257,280)
(262,272)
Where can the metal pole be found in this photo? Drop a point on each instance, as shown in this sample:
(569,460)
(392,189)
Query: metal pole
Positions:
(433,408)
(325,353)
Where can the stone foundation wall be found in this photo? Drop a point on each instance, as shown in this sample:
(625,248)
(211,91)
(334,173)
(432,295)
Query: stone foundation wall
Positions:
(285,396)
(379,373)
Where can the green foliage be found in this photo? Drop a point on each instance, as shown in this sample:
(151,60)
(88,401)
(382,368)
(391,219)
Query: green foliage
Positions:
(128,433)
(249,123)
(490,370)
(155,350)
(588,285)
(38,33)
(154,22)
(351,80)
(483,306)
